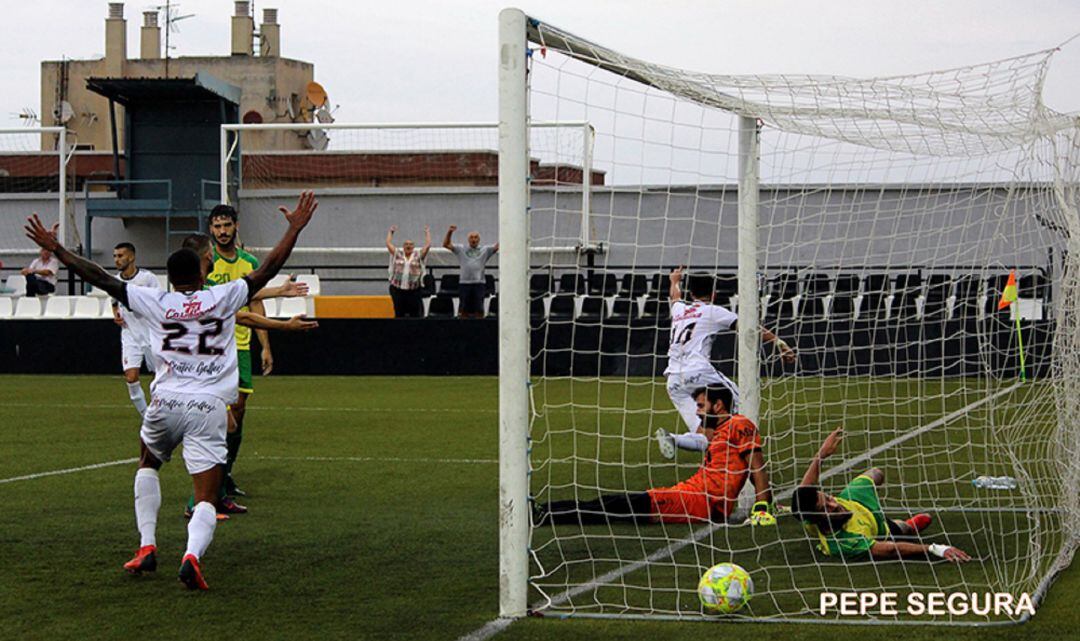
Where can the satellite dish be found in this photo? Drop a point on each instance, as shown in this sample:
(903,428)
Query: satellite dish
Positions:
(317,139)
(323,115)
(252,117)
(316,95)
(63,112)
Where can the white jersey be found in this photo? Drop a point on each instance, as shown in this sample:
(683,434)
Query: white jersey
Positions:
(693,329)
(193,337)
(134,331)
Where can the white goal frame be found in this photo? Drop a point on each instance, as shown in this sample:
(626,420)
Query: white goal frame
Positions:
(64,156)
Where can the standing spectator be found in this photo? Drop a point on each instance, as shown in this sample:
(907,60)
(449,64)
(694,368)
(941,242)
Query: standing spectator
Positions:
(41,274)
(473,258)
(407,274)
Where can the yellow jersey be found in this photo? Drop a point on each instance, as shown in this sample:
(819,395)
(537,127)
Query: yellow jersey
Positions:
(226,271)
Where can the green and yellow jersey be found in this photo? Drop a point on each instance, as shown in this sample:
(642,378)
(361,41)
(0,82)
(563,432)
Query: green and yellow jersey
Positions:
(866,525)
(226,271)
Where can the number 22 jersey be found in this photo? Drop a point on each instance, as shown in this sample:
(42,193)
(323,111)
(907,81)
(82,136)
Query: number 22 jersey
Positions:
(193,336)
(694,326)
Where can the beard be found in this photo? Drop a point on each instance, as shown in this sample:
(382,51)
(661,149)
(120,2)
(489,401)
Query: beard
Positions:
(710,421)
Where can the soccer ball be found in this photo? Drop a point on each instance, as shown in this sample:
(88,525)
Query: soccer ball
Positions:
(725,588)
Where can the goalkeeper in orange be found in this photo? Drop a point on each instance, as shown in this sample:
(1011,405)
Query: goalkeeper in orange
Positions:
(711,494)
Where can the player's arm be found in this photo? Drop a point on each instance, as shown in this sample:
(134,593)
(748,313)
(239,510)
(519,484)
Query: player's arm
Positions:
(257,307)
(675,291)
(786,352)
(298,219)
(447,243)
(892,550)
(827,448)
(257,322)
(390,240)
(495,248)
(90,272)
(427,242)
(291,289)
(759,476)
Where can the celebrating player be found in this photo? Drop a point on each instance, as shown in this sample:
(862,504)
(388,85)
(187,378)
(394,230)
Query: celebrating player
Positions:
(852,525)
(694,326)
(711,494)
(134,340)
(192,338)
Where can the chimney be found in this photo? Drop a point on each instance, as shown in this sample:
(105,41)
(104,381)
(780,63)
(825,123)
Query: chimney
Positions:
(150,38)
(115,41)
(270,34)
(243,29)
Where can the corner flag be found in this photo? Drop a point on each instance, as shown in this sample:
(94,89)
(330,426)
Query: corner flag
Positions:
(1008,297)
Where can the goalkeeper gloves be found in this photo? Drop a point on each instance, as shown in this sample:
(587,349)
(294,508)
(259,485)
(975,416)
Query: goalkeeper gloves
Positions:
(761,514)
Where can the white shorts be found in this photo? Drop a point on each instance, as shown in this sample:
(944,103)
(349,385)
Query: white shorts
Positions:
(196,421)
(132,356)
(686,383)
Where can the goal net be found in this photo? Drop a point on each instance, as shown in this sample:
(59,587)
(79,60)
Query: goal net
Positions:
(890,213)
(36,176)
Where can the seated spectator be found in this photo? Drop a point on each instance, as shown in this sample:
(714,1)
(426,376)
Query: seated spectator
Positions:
(473,259)
(407,274)
(41,274)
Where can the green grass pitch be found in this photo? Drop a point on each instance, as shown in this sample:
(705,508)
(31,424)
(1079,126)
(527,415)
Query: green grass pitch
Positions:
(373,513)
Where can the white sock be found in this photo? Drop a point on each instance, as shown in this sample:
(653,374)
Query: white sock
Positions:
(200,530)
(138,399)
(147,504)
(691,441)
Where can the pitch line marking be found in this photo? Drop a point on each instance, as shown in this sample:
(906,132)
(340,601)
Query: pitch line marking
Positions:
(70,470)
(382,459)
(373,410)
(497,625)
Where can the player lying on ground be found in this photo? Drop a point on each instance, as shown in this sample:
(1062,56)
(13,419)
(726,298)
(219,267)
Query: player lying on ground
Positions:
(192,338)
(852,525)
(711,494)
(694,326)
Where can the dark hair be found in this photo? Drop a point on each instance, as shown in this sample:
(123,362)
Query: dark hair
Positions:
(197,242)
(125,245)
(701,285)
(222,211)
(717,393)
(184,267)
(804,506)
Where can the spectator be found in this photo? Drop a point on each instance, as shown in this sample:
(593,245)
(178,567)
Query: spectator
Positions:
(407,274)
(472,257)
(41,274)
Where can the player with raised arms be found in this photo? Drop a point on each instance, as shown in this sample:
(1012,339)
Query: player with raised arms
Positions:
(134,340)
(852,525)
(192,337)
(694,327)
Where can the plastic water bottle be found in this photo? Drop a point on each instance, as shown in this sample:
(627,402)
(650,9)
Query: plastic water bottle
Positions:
(995,483)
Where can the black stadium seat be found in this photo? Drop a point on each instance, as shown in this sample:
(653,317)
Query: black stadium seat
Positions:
(441,307)
(449,284)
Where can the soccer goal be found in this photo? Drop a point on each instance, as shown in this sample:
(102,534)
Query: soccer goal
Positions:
(875,225)
(35,165)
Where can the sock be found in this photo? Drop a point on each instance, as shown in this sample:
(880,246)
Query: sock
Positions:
(691,441)
(147,504)
(232,443)
(201,529)
(135,393)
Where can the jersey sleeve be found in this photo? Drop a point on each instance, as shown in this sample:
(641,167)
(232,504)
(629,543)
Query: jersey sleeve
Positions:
(723,317)
(747,438)
(678,307)
(232,296)
(143,301)
(150,280)
(848,545)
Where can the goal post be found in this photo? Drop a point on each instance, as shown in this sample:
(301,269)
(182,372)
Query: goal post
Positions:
(35,160)
(873,225)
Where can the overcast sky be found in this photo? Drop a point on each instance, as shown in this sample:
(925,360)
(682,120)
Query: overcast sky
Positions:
(417,60)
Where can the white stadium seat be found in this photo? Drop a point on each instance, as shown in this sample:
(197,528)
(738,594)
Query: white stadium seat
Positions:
(289,307)
(87,307)
(312,280)
(271,305)
(16,283)
(100,293)
(6,307)
(28,307)
(58,307)
(278,281)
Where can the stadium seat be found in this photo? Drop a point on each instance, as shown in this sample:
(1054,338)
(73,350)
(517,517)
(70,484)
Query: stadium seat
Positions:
(541,284)
(441,306)
(603,284)
(633,285)
(57,307)
(105,308)
(537,309)
(313,283)
(572,283)
(278,281)
(16,285)
(28,307)
(657,309)
(876,287)
(98,292)
(289,307)
(1033,286)
(489,285)
(493,306)
(87,307)
(622,310)
(6,307)
(593,309)
(562,307)
(727,285)
(846,284)
(449,285)
(935,304)
(271,306)
(427,285)
(844,306)
(966,297)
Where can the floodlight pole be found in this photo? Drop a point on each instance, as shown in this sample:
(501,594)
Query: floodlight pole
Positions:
(513,316)
(749,334)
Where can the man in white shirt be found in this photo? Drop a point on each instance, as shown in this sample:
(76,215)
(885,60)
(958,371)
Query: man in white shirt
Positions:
(192,336)
(134,337)
(694,327)
(41,274)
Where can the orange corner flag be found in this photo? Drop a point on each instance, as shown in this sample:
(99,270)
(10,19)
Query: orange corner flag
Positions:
(1008,297)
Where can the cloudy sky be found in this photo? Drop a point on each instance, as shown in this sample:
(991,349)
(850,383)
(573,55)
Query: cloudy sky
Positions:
(416,60)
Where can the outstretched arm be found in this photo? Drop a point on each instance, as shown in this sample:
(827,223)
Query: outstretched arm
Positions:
(827,448)
(89,271)
(294,324)
(674,291)
(291,289)
(786,352)
(888,550)
(427,242)
(297,219)
(390,240)
(447,243)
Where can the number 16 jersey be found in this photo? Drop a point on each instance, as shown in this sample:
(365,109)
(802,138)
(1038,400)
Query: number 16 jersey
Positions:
(193,336)
(694,326)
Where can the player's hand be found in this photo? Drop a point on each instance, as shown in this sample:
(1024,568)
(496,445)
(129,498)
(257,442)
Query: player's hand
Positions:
(36,232)
(760,515)
(300,323)
(832,442)
(787,354)
(676,275)
(453,228)
(956,555)
(393,229)
(305,207)
(117,318)
(267,362)
(293,289)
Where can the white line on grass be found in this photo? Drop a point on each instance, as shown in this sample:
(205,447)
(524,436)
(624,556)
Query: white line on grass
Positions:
(271,408)
(381,459)
(70,470)
(497,625)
